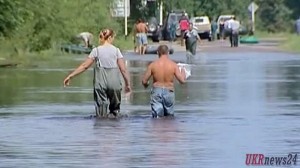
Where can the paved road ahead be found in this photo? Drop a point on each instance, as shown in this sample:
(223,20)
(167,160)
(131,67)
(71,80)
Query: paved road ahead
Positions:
(206,47)
(266,44)
(220,46)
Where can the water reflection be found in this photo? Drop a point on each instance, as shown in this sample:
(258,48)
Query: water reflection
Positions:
(164,134)
(287,75)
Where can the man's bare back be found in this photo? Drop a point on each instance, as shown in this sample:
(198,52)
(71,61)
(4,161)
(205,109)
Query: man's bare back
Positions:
(162,96)
(163,71)
(141,28)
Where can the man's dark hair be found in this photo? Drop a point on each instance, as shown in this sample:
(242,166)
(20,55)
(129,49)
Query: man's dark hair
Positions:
(163,50)
(140,20)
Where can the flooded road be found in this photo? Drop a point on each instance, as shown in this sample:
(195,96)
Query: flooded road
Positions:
(233,104)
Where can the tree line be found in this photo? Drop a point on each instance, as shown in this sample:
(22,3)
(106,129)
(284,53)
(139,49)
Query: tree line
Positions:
(271,16)
(37,25)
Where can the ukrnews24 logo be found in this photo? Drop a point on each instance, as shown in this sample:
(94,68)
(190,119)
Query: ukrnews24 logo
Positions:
(258,159)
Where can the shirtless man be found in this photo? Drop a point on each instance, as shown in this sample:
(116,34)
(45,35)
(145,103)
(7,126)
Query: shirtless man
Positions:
(134,37)
(163,71)
(141,36)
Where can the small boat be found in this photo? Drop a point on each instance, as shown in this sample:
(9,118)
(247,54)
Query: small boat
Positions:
(153,50)
(80,49)
(75,49)
(249,40)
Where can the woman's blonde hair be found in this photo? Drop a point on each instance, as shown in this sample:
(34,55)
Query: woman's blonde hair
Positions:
(106,33)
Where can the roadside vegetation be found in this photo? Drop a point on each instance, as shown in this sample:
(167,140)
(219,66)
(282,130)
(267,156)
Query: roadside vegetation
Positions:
(288,41)
(33,31)
(29,29)
(291,44)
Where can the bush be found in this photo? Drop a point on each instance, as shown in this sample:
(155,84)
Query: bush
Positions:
(34,27)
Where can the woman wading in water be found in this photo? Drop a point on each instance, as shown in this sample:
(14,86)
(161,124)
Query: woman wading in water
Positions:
(107,81)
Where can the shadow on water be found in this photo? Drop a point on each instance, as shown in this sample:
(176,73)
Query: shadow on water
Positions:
(233,104)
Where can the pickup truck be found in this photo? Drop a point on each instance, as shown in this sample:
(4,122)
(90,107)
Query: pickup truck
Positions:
(153,29)
(203,27)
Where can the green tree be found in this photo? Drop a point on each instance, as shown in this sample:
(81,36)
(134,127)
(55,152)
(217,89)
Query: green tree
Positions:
(273,15)
(294,5)
(10,16)
(33,26)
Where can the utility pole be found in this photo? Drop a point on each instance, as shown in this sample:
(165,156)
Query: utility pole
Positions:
(125,20)
(161,13)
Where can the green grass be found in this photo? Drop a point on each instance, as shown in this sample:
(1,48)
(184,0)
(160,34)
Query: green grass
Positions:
(12,52)
(290,42)
(28,59)
(263,34)
(124,44)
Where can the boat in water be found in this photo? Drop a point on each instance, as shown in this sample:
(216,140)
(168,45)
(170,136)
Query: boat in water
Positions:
(80,49)
(75,49)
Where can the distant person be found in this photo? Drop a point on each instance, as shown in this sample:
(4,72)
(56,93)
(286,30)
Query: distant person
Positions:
(191,37)
(298,26)
(87,38)
(172,30)
(135,48)
(141,30)
(234,35)
(222,29)
(107,82)
(228,23)
(163,72)
(184,25)
(228,28)
(214,27)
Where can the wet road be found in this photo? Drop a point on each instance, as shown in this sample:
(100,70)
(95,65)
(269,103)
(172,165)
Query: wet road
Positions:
(235,103)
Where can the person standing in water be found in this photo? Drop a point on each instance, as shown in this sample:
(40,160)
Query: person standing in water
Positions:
(235,27)
(183,25)
(141,36)
(135,49)
(163,72)
(107,82)
(172,30)
(214,27)
(222,29)
(191,37)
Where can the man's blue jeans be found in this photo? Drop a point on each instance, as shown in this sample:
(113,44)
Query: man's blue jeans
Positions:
(162,102)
